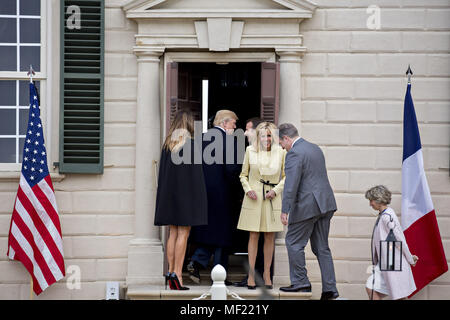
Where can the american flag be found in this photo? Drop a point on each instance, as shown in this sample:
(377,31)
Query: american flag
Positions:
(35,233)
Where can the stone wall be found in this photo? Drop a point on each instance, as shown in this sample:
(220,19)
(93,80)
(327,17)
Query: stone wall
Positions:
(353,86)
(353,89)
(96,211)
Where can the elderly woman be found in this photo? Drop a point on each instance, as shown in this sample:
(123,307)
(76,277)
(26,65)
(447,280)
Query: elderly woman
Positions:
(399,284)
(262,178)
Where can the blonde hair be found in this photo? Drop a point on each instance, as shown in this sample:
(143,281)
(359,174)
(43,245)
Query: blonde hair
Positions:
(223,116)
(266,126)
(182,128)
(379,194)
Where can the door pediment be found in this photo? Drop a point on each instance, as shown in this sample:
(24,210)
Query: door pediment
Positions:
(219,8)
(219,25)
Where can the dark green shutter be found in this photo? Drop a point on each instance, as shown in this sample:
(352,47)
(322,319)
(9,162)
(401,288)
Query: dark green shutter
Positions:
(82,85)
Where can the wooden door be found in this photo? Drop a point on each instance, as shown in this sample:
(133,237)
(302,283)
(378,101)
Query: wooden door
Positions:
(270,91)
(171,93)
(190,89)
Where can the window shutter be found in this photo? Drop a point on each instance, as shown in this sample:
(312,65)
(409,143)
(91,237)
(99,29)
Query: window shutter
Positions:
(190,90)
(270,91)
(82,87)
(171,93)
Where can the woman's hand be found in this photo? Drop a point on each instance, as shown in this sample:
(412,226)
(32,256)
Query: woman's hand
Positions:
(271,194)
(284,219)
(415,258)
(252,195)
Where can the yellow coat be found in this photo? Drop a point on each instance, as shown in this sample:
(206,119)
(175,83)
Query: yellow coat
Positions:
(261,215)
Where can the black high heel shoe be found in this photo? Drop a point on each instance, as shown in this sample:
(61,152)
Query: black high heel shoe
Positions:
(176,282)
(167,277)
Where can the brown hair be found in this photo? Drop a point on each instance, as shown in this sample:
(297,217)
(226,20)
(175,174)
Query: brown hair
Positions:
(182,128)
(255,121)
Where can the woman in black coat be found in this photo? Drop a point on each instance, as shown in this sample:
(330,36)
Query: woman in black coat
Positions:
(181,200)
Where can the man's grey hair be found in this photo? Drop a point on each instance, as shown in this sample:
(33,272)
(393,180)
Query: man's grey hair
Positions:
(380,194)
(287,129)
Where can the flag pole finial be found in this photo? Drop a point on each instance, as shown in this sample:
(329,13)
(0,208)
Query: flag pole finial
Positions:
(31,73)
(409,73)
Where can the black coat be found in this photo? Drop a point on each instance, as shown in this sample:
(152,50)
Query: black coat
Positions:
(220,180)
(181,197)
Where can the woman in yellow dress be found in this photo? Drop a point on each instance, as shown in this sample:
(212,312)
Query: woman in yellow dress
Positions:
(262,179)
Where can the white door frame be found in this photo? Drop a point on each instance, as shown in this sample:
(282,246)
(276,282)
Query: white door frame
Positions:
(204,57)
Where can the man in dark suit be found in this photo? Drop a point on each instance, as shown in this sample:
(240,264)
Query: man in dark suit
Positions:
(220,175)
(307,208)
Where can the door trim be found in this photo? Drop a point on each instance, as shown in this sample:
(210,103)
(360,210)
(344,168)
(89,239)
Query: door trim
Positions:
(206,57)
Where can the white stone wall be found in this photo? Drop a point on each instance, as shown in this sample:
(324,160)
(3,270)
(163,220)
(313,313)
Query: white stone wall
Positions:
(96,211)
(354,84)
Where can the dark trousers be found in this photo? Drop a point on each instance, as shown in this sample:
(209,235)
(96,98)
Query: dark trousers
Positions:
(203,254)
(315,229)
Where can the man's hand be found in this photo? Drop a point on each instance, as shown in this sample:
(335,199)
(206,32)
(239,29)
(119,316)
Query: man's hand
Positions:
(270,195)
(284,219)
(252,195)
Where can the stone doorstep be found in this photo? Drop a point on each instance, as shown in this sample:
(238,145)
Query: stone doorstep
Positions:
(205,278)
(149,292)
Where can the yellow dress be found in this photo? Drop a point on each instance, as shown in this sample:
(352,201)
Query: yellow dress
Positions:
(262,215)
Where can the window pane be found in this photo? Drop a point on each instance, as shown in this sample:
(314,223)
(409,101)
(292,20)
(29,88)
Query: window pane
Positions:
(30,7)
(8,7)
(8,150)
(21,142)
(30,55)
(8,93)
(8,32)
(30,30)
(8,62)
(23,121)
(24,91)
(7,121)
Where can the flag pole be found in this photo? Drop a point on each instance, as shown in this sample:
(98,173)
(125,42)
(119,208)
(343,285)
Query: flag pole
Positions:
(409,73)
(31,73)
(31,288)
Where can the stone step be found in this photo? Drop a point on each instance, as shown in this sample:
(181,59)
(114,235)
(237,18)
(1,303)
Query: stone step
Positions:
(149,292)
(205,277)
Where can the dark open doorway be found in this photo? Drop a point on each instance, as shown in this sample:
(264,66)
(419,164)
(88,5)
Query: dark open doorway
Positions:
(232,86)
(248,89)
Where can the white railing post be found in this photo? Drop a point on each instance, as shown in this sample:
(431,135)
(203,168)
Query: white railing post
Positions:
(218,288)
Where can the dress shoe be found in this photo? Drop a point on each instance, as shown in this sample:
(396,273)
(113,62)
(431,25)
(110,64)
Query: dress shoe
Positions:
(242,283)
(194,271)
(251,287)
(329,295)
(293,288)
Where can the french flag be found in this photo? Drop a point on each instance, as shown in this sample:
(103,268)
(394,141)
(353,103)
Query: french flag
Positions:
(418,217)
